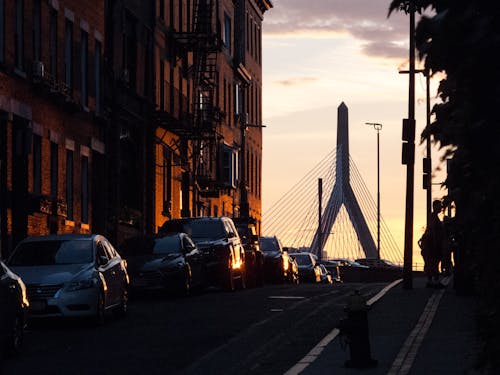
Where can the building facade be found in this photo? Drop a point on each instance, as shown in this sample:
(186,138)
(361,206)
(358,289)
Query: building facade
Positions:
(118,115)
(208,59)
(51,138)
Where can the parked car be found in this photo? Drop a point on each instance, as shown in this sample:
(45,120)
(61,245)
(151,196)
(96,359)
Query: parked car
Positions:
(378,263)
(13,309)
(344,262)
(172,262)
(218,240)
(278,266)
(71,276)
(326,276)
(335,270)
(254,258)
(309,269)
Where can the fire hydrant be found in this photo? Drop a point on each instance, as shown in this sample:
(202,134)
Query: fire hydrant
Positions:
(354,331)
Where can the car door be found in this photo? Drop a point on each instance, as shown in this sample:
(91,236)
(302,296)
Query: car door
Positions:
(115,264)
(193,258)
(234,239)
(105,268)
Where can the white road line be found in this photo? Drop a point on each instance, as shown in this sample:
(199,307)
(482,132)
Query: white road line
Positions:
(286,297)
(316,351)
(408,352)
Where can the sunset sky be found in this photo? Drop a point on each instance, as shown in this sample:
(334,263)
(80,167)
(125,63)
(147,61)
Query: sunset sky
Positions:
(319,53)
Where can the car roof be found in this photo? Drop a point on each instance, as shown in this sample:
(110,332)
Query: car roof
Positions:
(62,237)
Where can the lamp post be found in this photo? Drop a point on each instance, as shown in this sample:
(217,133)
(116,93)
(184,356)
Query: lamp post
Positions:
(377,127)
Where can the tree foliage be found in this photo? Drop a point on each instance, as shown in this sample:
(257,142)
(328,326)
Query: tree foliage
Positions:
(461,38)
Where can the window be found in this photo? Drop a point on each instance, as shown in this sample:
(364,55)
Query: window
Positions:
(2,30)
(68,53)
(162,85)
(53,43)
(37,30)
(84,57)
(167,182)
(162,9)
(130,51)
(37,164)
(69,183)
(97,70)
(101,254)
(227,33)
(54,172)
(19,35)
(229,166)
(85,189)
(237,99)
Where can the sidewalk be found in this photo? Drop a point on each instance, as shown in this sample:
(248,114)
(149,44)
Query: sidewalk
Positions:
(418,331)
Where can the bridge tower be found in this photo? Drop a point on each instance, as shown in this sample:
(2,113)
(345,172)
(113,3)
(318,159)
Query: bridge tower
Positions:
(342,194)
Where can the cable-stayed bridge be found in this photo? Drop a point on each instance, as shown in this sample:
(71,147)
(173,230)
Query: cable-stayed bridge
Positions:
(348,211)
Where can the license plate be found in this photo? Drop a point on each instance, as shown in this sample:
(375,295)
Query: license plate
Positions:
(38,305)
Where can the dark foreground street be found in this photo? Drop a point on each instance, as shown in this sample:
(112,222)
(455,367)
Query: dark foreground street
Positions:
(255,331)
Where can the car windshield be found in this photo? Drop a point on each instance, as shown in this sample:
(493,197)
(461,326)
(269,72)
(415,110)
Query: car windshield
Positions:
(46,253)
(207,230)
(303,259)
(167,245)
(137,246)
(268,244)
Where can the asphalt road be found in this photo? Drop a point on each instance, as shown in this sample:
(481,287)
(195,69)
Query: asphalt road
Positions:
(254,331)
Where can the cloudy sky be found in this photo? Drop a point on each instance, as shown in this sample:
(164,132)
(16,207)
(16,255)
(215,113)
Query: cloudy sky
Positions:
(317,54)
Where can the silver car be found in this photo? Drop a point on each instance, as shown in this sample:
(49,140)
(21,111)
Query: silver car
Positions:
(71,276)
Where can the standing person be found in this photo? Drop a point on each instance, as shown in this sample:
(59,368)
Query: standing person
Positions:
(450,243)
(432,244)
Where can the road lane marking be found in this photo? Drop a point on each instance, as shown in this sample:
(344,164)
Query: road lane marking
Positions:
(315,352)
(408,352)
(286,297)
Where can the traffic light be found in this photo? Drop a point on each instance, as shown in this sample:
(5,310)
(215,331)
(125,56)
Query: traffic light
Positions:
(408,153)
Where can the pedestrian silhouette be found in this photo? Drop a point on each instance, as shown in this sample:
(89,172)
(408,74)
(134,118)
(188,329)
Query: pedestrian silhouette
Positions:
(450,243)
(432,244)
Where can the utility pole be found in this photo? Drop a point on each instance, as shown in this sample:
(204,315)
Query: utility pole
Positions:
(377,127)
(244,205)
(428,162)
(409,159)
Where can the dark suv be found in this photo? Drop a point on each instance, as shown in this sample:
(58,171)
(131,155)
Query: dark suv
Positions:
(278,265)
(254,258)
(218,240)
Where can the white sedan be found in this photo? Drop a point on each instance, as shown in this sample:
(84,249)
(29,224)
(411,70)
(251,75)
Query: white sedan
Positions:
(71,275)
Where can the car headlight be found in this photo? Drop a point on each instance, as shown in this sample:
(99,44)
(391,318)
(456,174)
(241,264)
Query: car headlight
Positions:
(81,284)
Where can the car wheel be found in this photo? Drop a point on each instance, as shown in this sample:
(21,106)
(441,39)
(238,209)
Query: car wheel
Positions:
(100,310)
(122,309)
(15,341)
(242,281)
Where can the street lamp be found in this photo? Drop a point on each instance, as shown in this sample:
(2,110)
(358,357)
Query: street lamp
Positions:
(378,128)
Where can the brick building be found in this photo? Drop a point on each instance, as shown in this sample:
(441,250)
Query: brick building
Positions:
(51,140)
(208,106)
(118,115)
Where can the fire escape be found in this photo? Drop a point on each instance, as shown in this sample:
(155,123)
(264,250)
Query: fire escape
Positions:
(200,131)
